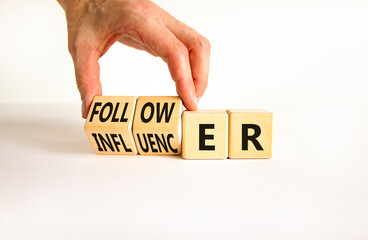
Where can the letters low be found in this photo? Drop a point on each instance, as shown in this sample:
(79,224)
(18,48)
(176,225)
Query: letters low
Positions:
(245,139)
(152,126)
(156,125)
(109,125)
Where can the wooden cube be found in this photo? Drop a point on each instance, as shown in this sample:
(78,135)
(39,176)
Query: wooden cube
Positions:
(109,125)
(156,125)
(250,133)
(204,134)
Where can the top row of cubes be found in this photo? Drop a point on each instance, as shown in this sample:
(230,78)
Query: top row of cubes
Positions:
(151,126)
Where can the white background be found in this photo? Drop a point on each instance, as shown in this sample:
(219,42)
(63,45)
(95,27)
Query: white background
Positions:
(305,61)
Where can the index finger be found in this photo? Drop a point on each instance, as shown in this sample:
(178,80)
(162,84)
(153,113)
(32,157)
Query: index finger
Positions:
(163,43)
(199,49)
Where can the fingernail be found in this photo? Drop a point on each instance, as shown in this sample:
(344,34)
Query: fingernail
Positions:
(83,109)
(195,101)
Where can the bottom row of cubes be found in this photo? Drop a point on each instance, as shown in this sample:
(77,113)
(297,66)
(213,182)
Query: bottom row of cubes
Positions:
(151,125)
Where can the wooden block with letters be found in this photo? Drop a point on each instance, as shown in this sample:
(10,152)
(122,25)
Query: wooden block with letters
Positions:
(109,125)
(156,125)
(250,133)
(204,134)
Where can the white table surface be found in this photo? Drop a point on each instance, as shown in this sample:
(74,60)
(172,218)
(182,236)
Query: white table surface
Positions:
(52,185)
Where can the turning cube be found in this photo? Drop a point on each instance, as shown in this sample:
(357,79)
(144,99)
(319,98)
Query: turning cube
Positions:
(156,126)
(250,133)
(204,134)
(109,125)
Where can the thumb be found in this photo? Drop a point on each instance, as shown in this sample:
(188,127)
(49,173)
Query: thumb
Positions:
(87,73)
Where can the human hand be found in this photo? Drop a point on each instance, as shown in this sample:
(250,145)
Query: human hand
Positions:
(94,25)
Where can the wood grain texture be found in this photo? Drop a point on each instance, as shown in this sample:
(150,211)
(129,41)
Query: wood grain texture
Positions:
(250,133)
(156,126)
(204,134)
(109,125)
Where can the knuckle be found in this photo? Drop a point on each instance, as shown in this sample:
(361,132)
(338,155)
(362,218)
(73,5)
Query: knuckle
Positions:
(74,45)
(71,48)
(81,80)
(180,81)
(181,50)
(203,43)
(87,85)
(177,53)
(129,6)
(80,45)
(137,8)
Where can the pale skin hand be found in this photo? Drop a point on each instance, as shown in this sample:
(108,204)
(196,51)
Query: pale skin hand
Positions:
(94,25)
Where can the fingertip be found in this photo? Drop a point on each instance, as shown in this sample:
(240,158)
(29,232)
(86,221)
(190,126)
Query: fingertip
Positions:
(191,103)
(195,103)
(190,107)
(84,109)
